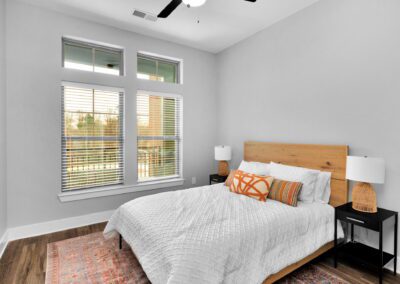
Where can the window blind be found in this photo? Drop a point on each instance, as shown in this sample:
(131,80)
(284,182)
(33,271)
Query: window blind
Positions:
(92,137)
(159,128)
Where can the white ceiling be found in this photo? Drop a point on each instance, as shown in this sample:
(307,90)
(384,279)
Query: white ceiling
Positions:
(222,22)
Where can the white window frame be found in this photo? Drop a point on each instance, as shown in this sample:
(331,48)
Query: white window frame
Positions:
(117,190)
(73,77)
(104,191)
(164,58)
(101,88)
(180,158)
(94,46)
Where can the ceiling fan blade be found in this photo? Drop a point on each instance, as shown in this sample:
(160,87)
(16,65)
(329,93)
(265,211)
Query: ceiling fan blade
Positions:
(251,0)
(169,9)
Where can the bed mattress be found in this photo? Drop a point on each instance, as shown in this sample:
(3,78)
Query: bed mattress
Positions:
(210,235)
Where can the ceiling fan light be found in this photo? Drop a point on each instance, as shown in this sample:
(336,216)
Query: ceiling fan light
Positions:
(194,3)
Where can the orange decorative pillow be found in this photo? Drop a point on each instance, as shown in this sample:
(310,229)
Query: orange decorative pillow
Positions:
(229,179)
(253,186)
(285,191)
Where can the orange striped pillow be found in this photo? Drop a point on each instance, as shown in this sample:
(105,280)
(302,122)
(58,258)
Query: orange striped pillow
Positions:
(253,186)
(285,191)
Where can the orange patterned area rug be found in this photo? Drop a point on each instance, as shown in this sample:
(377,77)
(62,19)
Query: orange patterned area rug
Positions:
(313,274)
(93,259)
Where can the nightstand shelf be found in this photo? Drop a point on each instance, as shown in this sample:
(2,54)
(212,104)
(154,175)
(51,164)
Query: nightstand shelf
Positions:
(364,254)
(369,256)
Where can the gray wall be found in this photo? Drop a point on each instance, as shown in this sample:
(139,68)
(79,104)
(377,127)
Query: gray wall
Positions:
(329,74)
(3,193)
(34,75)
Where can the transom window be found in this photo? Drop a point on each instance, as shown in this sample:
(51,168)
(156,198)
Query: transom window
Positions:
(157,69)
(159,140)
(92,136)
(90,57)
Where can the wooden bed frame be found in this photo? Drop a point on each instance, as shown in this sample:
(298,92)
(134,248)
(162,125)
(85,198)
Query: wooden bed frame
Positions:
(329,158)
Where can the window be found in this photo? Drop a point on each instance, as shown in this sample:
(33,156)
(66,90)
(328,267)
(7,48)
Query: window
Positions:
(159,128)
(157,69)
(92,136)
(89,57)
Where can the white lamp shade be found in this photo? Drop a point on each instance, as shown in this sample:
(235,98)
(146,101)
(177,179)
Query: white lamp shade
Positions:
(223,153)
(194,3)
(365,169)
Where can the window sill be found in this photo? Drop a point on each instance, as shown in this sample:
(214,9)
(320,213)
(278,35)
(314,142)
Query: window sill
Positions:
(117,190)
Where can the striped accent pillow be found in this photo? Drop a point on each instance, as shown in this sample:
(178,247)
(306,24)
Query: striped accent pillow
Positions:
(253,186)
(285,191)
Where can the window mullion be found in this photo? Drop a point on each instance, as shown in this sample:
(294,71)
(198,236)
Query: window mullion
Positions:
(157,73)
(93,59)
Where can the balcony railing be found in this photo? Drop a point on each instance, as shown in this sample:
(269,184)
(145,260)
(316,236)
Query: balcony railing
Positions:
(148,159)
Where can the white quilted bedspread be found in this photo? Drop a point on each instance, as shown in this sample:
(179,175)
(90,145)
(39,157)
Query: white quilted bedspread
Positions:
(210,235)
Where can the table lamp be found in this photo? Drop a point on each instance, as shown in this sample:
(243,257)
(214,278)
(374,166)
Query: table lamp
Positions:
(365,171)
(223,154)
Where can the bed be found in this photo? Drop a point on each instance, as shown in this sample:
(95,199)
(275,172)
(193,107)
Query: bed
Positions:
(210,235)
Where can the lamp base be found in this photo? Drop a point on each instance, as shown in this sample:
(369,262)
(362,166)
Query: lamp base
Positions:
(364,198)
(223,168)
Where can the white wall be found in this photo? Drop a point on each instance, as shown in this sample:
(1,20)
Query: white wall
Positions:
(329,74)
(3,193)
(34,75)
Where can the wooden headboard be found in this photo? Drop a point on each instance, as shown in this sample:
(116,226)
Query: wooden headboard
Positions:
(319,157)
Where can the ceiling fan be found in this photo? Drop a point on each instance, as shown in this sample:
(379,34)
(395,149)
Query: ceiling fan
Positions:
(190,3)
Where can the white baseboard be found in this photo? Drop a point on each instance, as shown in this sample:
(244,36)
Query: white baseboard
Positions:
(38,229)
(3,243)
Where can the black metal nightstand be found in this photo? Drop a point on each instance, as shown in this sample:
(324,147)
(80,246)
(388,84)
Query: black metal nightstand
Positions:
(215,178)
(371,257)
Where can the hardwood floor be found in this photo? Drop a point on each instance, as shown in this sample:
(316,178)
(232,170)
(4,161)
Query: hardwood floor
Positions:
(24,261)
(357,274)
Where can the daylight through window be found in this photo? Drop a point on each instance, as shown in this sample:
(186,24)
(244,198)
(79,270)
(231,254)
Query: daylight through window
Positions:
(89,57)
(92,137)
(159,128)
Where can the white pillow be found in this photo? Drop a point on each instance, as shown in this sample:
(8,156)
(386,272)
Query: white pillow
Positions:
(256,168)
(323,187)
(327,194)
(306,176)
